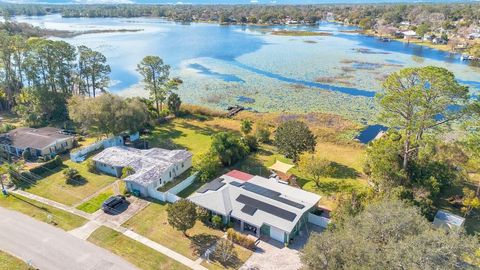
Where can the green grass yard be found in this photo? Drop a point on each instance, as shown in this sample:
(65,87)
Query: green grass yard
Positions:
(39,211)
(54,186)
(94,204)
(10,262)
(136,253)
(152,223)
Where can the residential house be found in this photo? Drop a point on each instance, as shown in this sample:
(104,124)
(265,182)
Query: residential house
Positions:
(410,34)
(439,40)
(258,205)
(152,168)
(41,142)
(444,219)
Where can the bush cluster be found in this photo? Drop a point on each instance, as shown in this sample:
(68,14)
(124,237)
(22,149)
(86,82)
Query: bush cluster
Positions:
(47,166)
(240,239)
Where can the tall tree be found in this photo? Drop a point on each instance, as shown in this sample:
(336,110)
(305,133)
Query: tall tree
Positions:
(108,114)
(50,65)
(418,100)
(389,235)
(293,138)
(156,77)
(228,147)
(11,56)
(316,167)
(93,70)
(182,215)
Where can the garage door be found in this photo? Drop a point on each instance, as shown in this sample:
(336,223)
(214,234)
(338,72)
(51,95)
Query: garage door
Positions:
(277,234)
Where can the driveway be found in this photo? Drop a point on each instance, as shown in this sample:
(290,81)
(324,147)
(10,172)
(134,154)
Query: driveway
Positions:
(273,255)
(123,212)
(48,247)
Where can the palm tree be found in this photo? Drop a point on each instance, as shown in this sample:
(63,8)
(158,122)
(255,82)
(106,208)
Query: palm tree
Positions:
(11,171)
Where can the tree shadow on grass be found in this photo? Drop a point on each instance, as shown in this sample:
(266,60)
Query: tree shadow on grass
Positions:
(326,187)
(43,208)
(344,172)
(201,242)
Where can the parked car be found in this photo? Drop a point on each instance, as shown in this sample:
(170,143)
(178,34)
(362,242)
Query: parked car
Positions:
(109,204)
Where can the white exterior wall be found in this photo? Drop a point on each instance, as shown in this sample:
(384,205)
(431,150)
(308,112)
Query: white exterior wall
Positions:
(318,220)
(107,169)
(58,146)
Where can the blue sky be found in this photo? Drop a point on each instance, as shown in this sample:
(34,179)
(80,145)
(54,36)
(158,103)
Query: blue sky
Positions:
(225,1)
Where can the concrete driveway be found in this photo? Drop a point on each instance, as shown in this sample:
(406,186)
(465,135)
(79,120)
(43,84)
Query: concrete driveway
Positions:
(273,255)
(123,212)
(48,247)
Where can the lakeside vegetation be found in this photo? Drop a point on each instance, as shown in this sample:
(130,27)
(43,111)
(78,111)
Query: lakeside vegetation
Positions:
(299,33)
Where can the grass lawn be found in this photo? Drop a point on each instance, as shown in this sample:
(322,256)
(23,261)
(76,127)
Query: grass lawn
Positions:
(136,253)
(54,186)
(242,256)
(152,223)
(194,134)
(64,220)
(9,262)
(92,205)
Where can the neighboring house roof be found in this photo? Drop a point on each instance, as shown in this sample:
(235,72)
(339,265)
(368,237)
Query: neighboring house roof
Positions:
(33,138)
(449,218)
(149,165)
(258,201)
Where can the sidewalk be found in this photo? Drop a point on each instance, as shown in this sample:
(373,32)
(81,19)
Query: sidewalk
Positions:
(84,231)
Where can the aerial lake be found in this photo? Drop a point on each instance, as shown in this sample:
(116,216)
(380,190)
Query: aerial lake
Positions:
(247,65)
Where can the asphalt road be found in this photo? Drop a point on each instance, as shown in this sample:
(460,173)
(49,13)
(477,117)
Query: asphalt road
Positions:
(50,248)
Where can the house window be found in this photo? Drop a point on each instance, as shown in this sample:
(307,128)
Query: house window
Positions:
(170,174)
(182,165)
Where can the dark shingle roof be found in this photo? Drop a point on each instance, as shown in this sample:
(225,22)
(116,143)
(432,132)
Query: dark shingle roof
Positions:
(33,138)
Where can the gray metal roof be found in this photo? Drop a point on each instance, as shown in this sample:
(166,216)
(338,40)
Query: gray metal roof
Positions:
(450,218)
(40,138)
(149,165)
(229,199)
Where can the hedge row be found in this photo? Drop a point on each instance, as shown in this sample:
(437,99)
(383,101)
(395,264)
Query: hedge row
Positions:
(47,166)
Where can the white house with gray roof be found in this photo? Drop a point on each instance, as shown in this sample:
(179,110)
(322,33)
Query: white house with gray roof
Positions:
(256,204)
(152,168)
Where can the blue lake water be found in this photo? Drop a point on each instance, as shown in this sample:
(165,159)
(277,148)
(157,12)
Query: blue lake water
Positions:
(227,65)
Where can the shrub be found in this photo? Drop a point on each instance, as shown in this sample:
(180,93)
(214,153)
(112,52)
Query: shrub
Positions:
(91,167)
(217,222)
(48,166)
(27,155)
(263,134)
(251,142)
(202,214)
(206,166)
(70,174)
(6,128)
(240,239)
(187,109)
